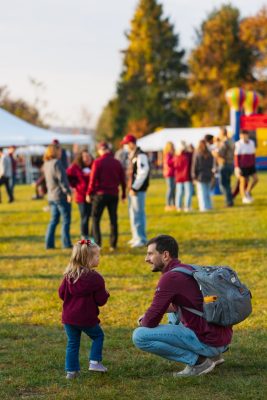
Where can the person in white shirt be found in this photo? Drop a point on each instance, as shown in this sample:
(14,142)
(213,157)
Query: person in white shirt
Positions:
(6,173)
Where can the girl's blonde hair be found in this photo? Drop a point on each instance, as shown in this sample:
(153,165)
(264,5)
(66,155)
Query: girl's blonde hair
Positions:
(81,259)
(51,152)
(169,148)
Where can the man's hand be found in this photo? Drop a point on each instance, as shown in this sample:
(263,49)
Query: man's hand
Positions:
(88,198)
(69,198)
(132,192)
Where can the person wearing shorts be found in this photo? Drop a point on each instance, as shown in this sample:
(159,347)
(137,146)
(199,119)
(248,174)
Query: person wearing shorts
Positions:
(245,168)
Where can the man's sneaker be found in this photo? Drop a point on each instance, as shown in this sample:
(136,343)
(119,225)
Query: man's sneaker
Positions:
(97,367)
(72,374)
(196,370)
(218,360)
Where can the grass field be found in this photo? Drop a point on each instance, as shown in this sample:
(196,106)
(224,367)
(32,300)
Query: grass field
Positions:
(32,341)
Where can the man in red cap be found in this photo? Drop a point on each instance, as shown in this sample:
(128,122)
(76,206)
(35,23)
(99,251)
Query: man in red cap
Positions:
(106,176)
(138,174)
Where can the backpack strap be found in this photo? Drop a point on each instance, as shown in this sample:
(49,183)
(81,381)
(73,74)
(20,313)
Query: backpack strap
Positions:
(190,273)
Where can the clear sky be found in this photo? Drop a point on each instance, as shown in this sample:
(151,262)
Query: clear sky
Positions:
(73,48)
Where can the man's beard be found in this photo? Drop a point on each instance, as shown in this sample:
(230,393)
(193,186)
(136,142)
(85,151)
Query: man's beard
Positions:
(157,267)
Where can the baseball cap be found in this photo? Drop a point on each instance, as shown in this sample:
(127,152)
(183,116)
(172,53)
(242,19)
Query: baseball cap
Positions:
(128,139)
(103,146)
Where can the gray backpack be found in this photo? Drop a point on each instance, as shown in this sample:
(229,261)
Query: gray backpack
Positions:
(226,301)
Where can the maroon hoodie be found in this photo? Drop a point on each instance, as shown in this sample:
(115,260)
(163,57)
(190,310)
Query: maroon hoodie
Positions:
(178,289)
(82,298)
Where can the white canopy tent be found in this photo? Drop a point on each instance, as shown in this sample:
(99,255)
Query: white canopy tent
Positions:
(156,141)
(16,132)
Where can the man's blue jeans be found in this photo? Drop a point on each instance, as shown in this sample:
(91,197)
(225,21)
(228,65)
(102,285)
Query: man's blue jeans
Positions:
(226,172)
(138,217)
(57,209)
(73,346)
(174,342)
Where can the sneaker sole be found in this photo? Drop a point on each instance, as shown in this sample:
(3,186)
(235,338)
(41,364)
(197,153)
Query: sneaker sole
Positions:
(97,370)
(219,362)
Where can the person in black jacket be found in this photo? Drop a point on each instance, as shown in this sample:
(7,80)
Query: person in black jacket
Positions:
(202,174)
(138,181)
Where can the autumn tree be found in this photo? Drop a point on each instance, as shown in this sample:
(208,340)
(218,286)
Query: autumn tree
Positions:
(152,85)
(253,32)
(219,61)
(20,108)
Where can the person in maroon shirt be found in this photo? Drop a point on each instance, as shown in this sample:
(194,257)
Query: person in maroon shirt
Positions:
(83,292)
(78,175)
(103,191)
(188,338)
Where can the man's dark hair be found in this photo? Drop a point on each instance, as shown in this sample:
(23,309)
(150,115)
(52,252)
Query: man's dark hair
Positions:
(208,138)
(165,243)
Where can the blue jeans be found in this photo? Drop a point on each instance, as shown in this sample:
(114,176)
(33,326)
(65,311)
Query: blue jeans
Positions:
(73,346)
(174,342)
(225,183)
(57,209)
(170,194)
(203,195)
(184,190)
(138,216)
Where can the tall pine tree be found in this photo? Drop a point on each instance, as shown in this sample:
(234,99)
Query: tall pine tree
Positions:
(219,61)
(152,85)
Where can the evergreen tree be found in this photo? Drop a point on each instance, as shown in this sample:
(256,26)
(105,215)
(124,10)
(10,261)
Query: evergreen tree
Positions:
(220,61)
(152,86)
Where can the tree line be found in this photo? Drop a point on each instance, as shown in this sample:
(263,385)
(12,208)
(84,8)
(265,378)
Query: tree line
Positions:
(161,86)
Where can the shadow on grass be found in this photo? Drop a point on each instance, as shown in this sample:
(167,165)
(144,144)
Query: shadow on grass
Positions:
(23,238)
(199,246)
(37,276)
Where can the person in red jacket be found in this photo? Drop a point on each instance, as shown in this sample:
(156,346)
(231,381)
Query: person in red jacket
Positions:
(168,173)
(78,176)
(187,338)
(184,185)
(103,191)
(83,291)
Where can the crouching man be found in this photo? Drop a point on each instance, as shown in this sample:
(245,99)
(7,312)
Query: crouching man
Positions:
(187,338)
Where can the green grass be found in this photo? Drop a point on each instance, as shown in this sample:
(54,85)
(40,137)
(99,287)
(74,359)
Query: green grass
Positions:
(32,341)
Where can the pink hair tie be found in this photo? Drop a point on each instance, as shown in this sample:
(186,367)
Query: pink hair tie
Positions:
(84,241)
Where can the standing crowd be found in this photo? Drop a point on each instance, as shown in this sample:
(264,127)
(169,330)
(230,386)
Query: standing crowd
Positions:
(213,157)
(96,184)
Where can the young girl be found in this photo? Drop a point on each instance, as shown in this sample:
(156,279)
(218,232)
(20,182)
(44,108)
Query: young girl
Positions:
(83,291)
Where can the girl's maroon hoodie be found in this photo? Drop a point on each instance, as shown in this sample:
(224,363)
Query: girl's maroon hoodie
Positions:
(82,299)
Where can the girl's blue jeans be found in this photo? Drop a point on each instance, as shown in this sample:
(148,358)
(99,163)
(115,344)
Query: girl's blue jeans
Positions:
(170,194)
(174,342)
(73,346)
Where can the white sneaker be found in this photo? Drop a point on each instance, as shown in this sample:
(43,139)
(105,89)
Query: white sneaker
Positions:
(246,200)
(97,367)
(135,245)
(248,196)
